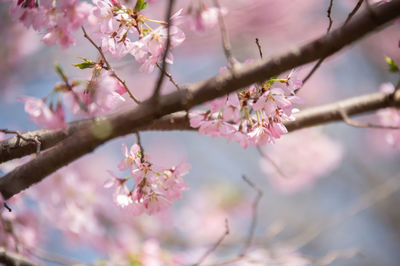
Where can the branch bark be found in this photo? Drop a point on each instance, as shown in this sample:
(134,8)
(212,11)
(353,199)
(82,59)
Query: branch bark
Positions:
(11,148)
(10,258)
(105,128)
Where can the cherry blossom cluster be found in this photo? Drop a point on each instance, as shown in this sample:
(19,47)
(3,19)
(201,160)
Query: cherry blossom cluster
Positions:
(101,94)
(154,187)
(114,24)
(58,19)
(109,21)
(253,115)
(19,229)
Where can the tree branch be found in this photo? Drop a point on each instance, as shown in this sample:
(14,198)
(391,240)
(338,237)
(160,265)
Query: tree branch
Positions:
(164,68)
(10,258)
(108,127)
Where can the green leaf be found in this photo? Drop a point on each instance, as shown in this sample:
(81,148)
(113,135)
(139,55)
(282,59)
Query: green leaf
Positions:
(87,63)
(393,67)
(140,5)
(60,72)
(59,69)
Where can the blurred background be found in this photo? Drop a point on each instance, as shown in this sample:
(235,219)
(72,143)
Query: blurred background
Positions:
(339,192)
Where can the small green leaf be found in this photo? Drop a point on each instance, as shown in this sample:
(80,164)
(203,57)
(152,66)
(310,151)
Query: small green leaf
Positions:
(87,63)
(59,69)
(393,67)
(140,5)
(60,72)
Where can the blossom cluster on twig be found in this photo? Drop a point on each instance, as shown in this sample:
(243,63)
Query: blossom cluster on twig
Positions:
(154,187)
(252,115)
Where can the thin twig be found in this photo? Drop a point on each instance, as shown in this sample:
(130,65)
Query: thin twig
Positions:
(353,123)
(274,164)
(224,35)
(354,11)
(163,70)
(35,139)
(216,245)
(169,76)
(108,66)
(320,61)
(253,223)
(259,48)
(329,11)
(316,66)
(375,195)
(350,16)
(7,207)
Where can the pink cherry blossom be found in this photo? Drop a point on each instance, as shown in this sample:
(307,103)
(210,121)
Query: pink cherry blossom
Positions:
(101,95)
(149,49)
(253,115)
(59,20)
(203,18)
(42,115)
(300,163)
(271,100)
(154,187)
(390,117)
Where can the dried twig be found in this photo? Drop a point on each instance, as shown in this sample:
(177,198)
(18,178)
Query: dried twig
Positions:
(225,37)
(35,139)
(354,11)
(253,223)
(375,195)
(108,66)
(171,79)
(216,245)
(274,164)
(329,12)
(350,16)
(163,69)
(316,66)
(259,48)
(353,123)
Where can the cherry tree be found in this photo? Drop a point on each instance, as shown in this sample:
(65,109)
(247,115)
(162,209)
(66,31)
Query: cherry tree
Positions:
(126,67)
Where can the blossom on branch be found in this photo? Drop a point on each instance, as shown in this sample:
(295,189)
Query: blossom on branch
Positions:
(154,187)
(253,115)
(58,19)
(43,115)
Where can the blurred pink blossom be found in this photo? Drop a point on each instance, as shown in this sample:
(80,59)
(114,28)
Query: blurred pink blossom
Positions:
(43,115)
(154,187)
(390,117)
(301,157)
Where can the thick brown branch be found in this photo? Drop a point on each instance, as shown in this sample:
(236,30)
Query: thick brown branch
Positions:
(179,121)
(105,128)
(50,138)
(77,138)
(10,258)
